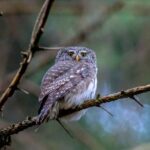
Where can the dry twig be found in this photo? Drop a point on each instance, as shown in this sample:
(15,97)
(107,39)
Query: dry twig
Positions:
(27,56)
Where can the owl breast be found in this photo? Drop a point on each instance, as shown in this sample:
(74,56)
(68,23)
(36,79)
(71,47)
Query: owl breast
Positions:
(77,96)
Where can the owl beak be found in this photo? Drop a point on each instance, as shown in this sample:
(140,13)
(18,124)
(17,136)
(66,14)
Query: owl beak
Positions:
(77,58)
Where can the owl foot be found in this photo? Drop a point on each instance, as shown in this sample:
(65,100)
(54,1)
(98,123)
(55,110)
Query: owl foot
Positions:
(43,116)
(48,114)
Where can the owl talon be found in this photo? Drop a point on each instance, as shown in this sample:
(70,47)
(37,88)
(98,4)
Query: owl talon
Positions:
(45,117)
(42,117)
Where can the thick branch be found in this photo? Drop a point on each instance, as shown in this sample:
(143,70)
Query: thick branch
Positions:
(18,127)
(36,35)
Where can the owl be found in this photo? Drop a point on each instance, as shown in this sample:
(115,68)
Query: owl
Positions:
(68,83)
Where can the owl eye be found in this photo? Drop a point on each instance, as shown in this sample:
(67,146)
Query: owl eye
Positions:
(83,54)
(70,53)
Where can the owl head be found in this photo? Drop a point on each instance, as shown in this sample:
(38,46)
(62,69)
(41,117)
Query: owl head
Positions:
(77,54)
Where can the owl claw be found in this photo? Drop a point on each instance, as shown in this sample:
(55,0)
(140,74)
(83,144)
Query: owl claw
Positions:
(45,116)
(42,117)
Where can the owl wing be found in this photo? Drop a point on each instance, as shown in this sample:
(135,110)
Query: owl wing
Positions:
(54,72)
(61,86)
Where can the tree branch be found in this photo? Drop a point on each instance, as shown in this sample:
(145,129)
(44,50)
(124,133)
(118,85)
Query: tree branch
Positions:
(27,56)
(29,122)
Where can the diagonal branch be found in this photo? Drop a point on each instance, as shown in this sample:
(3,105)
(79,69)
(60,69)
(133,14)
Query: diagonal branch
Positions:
(18,127)
(27,56)
(39,25)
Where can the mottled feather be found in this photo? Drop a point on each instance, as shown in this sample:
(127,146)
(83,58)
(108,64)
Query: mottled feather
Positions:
(52,73)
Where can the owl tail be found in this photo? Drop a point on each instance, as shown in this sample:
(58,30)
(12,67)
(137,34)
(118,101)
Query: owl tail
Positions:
(47,110)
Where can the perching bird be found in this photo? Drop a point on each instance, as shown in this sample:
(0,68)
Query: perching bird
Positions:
(68,83)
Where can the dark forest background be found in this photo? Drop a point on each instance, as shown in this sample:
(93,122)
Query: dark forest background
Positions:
(119,33)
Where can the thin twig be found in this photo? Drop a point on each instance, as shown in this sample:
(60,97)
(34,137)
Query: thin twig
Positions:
(22,90)
(67,131)
(106,110)
(39,24)
(136,99)
(48,48)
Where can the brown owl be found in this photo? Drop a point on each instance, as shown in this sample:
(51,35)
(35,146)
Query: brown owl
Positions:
(68,83)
